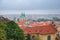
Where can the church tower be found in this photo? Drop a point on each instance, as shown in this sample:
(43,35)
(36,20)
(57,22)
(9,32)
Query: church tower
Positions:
(22,16)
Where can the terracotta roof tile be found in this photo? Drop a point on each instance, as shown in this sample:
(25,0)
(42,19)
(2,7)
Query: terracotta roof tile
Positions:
(40,28)
(21,22)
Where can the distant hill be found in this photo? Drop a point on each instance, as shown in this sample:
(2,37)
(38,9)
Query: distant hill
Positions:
(33,14)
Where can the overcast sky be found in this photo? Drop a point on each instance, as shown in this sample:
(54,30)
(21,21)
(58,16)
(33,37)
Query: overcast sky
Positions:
(30,12)
(30,5)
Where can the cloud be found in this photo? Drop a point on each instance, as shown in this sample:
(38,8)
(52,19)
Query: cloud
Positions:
(3,12)
(29,4)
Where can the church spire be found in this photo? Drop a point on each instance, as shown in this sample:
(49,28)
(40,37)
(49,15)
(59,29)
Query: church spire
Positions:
(22,16)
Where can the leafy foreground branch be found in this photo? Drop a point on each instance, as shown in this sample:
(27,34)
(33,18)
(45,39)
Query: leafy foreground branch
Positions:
(10,31)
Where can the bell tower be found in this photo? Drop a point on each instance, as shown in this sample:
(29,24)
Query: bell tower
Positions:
(22,16)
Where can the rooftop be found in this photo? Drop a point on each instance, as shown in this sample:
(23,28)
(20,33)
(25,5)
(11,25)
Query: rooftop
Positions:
(39,28)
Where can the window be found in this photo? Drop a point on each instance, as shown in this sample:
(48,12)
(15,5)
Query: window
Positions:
(58,34)
(49,37)
(33,37)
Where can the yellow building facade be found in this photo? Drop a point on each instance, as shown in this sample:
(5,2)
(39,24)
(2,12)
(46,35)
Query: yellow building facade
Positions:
(44,37)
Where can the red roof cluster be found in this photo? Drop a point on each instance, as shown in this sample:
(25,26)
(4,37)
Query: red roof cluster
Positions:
(40,28)
(34,24)
(37,28)
(21,22)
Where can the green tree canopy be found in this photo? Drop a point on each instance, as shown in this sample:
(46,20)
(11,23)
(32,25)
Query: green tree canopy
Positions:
(2,31)
(9,30)
(13,31)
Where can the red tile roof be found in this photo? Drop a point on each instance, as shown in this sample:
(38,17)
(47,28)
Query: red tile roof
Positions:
(40,28)
(34,24)
(21,22)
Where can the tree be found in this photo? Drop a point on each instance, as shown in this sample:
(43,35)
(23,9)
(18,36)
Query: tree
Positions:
(14,32)
(41,19)
(2,31)
(56,18)
(28,37)
(9,30)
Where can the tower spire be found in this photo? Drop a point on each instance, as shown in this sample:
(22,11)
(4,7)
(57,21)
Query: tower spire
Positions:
(22,16)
